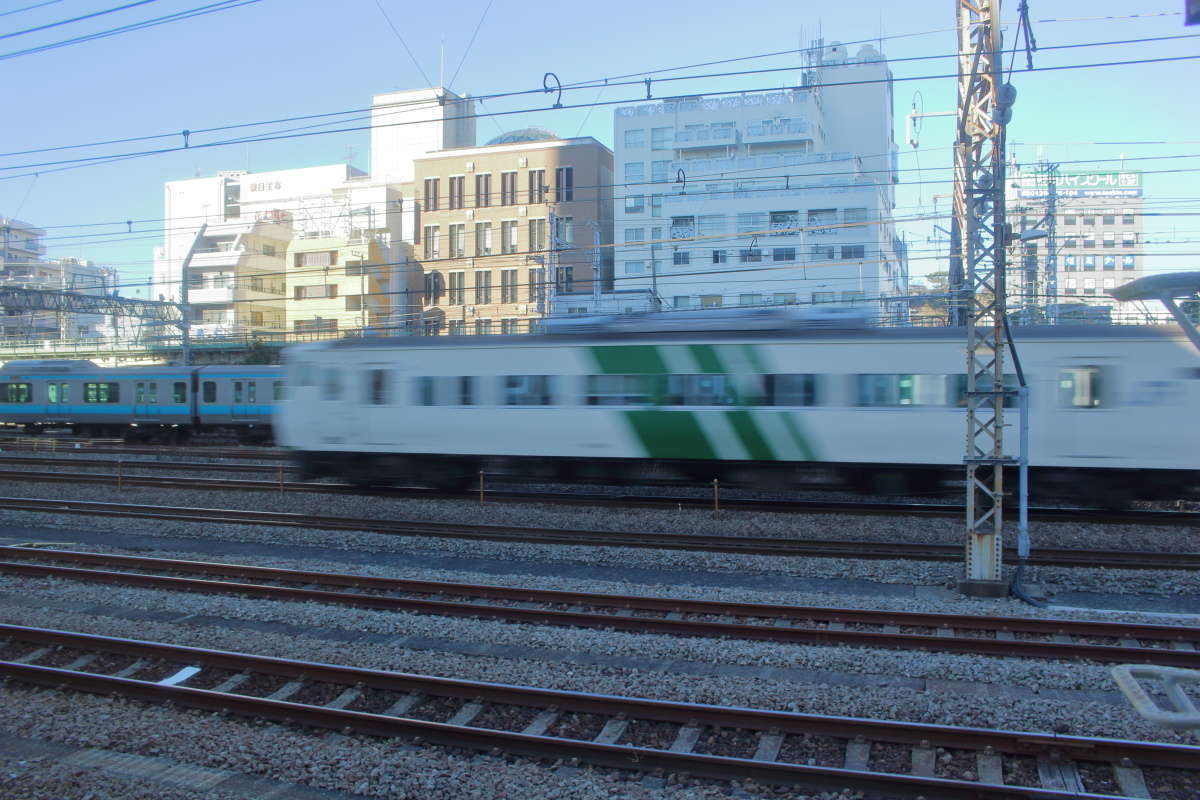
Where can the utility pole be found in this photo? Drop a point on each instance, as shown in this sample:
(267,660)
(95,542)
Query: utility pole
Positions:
(551,276)
(185,308)
(1051,172)
(979,211)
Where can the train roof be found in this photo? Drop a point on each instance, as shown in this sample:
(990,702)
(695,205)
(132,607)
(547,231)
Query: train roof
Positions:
(1020,333)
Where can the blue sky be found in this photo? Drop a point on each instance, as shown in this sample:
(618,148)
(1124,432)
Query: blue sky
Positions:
(281,58)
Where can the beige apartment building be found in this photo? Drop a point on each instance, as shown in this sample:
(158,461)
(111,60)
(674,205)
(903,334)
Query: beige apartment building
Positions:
(346,284)
(236,278)
(510,232)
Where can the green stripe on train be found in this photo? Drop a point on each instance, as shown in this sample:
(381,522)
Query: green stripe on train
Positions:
(706,358)
(670,434)
(752,438)
(798,437)
(629,360)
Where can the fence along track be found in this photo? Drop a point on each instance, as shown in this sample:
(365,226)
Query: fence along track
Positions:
(766,746)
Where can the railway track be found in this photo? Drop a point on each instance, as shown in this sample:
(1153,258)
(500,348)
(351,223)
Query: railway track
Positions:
(718,742)
(276,482)
(1166,645)
(747,545)
(113,447)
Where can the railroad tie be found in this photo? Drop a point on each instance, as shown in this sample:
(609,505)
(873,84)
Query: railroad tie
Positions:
(1062,638)
(1127,642)
(674,615)
(834,625)
(403,705)
(768,746)
(783,623)
(345,698)
(858,754)
(990,767)
(612,731)
(1130,779)
(946,632)
(1182,646)
(468,712)
(541,722)
(81,662)
(923,760)
(1059,774)
(29,658)
(232,682)
(136,666)
(891,629)
(686,739)
(286,691)
(1006,636)
(624,612)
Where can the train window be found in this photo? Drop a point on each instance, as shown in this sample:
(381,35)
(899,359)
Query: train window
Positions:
(101,392)
(528,390)
(17,392)
(619,390)
(210,391)
(51,392)
(466,391)
(237,392)
(140,392)
(277,391)
(960,390)
(700,390)
(152,393)
(252,391)
(306,374)
(377,387)
(64,393)
(1082,387)
(426,395)
(331,385)
(904,390)
(179,392)
(791,390)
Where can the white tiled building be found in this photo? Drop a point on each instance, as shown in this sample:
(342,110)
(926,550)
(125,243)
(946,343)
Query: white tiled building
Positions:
(784,197)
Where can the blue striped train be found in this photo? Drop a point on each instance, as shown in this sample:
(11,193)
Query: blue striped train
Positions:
(155,403)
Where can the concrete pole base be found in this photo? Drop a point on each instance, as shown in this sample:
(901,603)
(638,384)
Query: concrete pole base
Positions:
(982,588)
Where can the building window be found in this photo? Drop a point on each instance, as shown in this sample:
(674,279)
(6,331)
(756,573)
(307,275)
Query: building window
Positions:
(483,286)
(433,288)
(564,235)
(354,302)
(457,189)
(635,267)
(1127,262)
(785,298)
(483,190)
(430,238)
(635,171)
(431,194)
(656,205)
(1128,239)
(720,256)
(1069,263)
(537,235)
(659,138)
(537,283)
(320,258)
(314,292)
(822,217)
(660,171)
(510,326)
(635,137)
(681,301)
(1127,216)
(508,188)
(455,327)
(508,236)
(785,223)
(750,299)
(752,222)
(1109,219)
(537,185)
(1089,262)
(458,240)
(1070,219)
(566,279)
(457,294)
(681,258)
(483,238)
(1110,262)
(822,297)
(710,301)
(750,255)
(508,286)
(483,327)
(854,251)
(635,203)
(854,217)
(564,184)
(783,254)
(1089,240)
(1071,242)
(1109,239)
(683,227)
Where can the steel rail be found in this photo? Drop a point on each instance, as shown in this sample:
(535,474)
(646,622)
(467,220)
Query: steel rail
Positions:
(778,546)
(753,723)
(799,623)
(791,506)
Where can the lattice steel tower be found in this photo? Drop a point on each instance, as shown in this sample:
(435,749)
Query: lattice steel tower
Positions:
(983,110)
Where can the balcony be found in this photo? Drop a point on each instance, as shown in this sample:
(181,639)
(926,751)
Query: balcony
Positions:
(683,231)
(222,294)
(778,133)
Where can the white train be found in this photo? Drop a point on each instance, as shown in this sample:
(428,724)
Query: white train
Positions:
(1113,409)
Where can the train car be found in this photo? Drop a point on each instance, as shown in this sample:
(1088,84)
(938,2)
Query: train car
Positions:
(1112,409)
(160,403)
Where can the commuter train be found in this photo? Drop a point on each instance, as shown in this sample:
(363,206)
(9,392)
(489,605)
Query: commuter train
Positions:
(170,404)
(1113,409)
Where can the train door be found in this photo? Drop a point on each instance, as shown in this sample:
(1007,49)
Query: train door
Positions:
(245,398)
(1085,397)
(145,401)
(337,421)
(58,401)
(378,387)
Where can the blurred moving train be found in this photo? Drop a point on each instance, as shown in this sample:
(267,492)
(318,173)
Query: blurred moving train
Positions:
(1113,409)
(169,404)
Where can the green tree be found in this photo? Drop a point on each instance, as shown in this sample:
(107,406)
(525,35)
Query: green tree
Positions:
(258,353)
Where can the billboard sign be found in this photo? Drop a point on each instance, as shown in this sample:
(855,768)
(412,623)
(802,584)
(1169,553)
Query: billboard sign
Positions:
(1082,184)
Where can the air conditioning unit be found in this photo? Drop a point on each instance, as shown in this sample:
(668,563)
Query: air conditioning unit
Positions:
(471,310)
(470,213)
(522,162)
(470,166)
(522,211)
(522,308)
